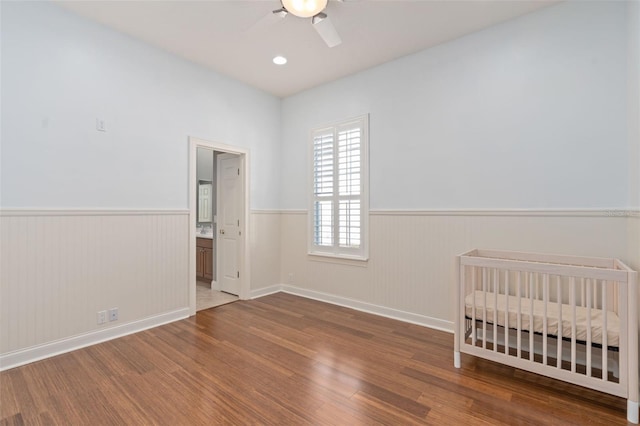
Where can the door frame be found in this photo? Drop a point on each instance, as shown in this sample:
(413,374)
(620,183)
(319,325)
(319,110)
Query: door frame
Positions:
(244,263)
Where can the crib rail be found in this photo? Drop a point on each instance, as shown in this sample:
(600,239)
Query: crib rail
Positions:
(566,317)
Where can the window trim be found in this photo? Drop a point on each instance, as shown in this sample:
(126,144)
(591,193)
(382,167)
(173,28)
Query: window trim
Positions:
(335,253)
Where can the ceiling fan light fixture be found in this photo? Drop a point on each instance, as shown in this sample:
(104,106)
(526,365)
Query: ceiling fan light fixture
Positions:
(318,18)
(281,13)
(304,8)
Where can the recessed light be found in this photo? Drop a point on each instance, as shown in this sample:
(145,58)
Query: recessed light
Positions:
(279,60)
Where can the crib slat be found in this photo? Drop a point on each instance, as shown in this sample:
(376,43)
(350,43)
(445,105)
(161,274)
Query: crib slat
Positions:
(495,309)
(484,311)
(572,301)
(605,332)
(473,305)
(560,322)
(531,327)
(545,324)
(588,348)
(506,318)
(630,312)
(519,317)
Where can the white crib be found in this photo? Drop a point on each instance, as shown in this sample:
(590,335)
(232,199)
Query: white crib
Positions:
(570,318)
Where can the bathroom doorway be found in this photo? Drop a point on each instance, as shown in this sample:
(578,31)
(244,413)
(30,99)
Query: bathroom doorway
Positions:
(218,224)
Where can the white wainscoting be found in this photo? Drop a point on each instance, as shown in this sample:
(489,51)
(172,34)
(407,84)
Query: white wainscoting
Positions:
(634,240)
(60,267)
(411,265)
(265,248)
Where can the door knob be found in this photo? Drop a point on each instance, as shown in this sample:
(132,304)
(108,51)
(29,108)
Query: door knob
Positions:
(222,231)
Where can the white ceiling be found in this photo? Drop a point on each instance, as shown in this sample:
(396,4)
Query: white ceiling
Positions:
(214,34)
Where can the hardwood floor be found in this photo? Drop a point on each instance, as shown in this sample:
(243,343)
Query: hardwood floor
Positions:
(283,359)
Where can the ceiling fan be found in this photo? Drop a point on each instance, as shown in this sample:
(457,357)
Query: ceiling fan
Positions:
(304,9)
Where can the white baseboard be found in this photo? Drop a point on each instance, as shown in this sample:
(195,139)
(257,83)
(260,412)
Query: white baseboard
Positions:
(47,350)
(265,291)
(382,311)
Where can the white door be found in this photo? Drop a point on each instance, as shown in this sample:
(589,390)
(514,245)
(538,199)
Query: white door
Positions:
(229,227)
(204,199)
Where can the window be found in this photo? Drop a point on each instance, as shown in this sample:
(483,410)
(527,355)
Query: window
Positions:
(339,210)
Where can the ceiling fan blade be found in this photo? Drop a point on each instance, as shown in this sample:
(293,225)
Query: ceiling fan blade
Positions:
(267,20)
(325,28)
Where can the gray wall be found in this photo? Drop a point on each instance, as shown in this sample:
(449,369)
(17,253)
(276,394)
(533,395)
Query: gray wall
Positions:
(60,72)
(530,113)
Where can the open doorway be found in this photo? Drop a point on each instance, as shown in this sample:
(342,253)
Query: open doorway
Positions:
(218,220)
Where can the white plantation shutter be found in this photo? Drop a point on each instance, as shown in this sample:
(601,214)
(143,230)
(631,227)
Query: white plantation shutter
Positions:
(339,208)
(323,171)
(349,186)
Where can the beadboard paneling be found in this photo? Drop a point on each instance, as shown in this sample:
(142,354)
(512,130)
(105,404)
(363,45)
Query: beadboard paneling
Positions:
(634,241)
(59,268)
(411,265)
(265,248)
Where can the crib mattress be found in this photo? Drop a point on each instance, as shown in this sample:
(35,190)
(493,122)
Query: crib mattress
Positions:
(613,321)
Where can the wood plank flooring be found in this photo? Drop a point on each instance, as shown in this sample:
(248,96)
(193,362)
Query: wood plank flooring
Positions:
(283,359)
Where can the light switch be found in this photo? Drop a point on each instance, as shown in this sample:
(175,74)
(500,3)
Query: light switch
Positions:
(100,125)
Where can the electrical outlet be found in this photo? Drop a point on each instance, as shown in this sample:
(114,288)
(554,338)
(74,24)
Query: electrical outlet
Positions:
(100,125)
(113,314)
(102,317)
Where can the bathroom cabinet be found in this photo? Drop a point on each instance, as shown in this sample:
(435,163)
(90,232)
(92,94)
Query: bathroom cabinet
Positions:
(204,259)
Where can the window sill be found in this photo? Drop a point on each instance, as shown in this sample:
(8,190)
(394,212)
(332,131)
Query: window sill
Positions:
(362,262)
